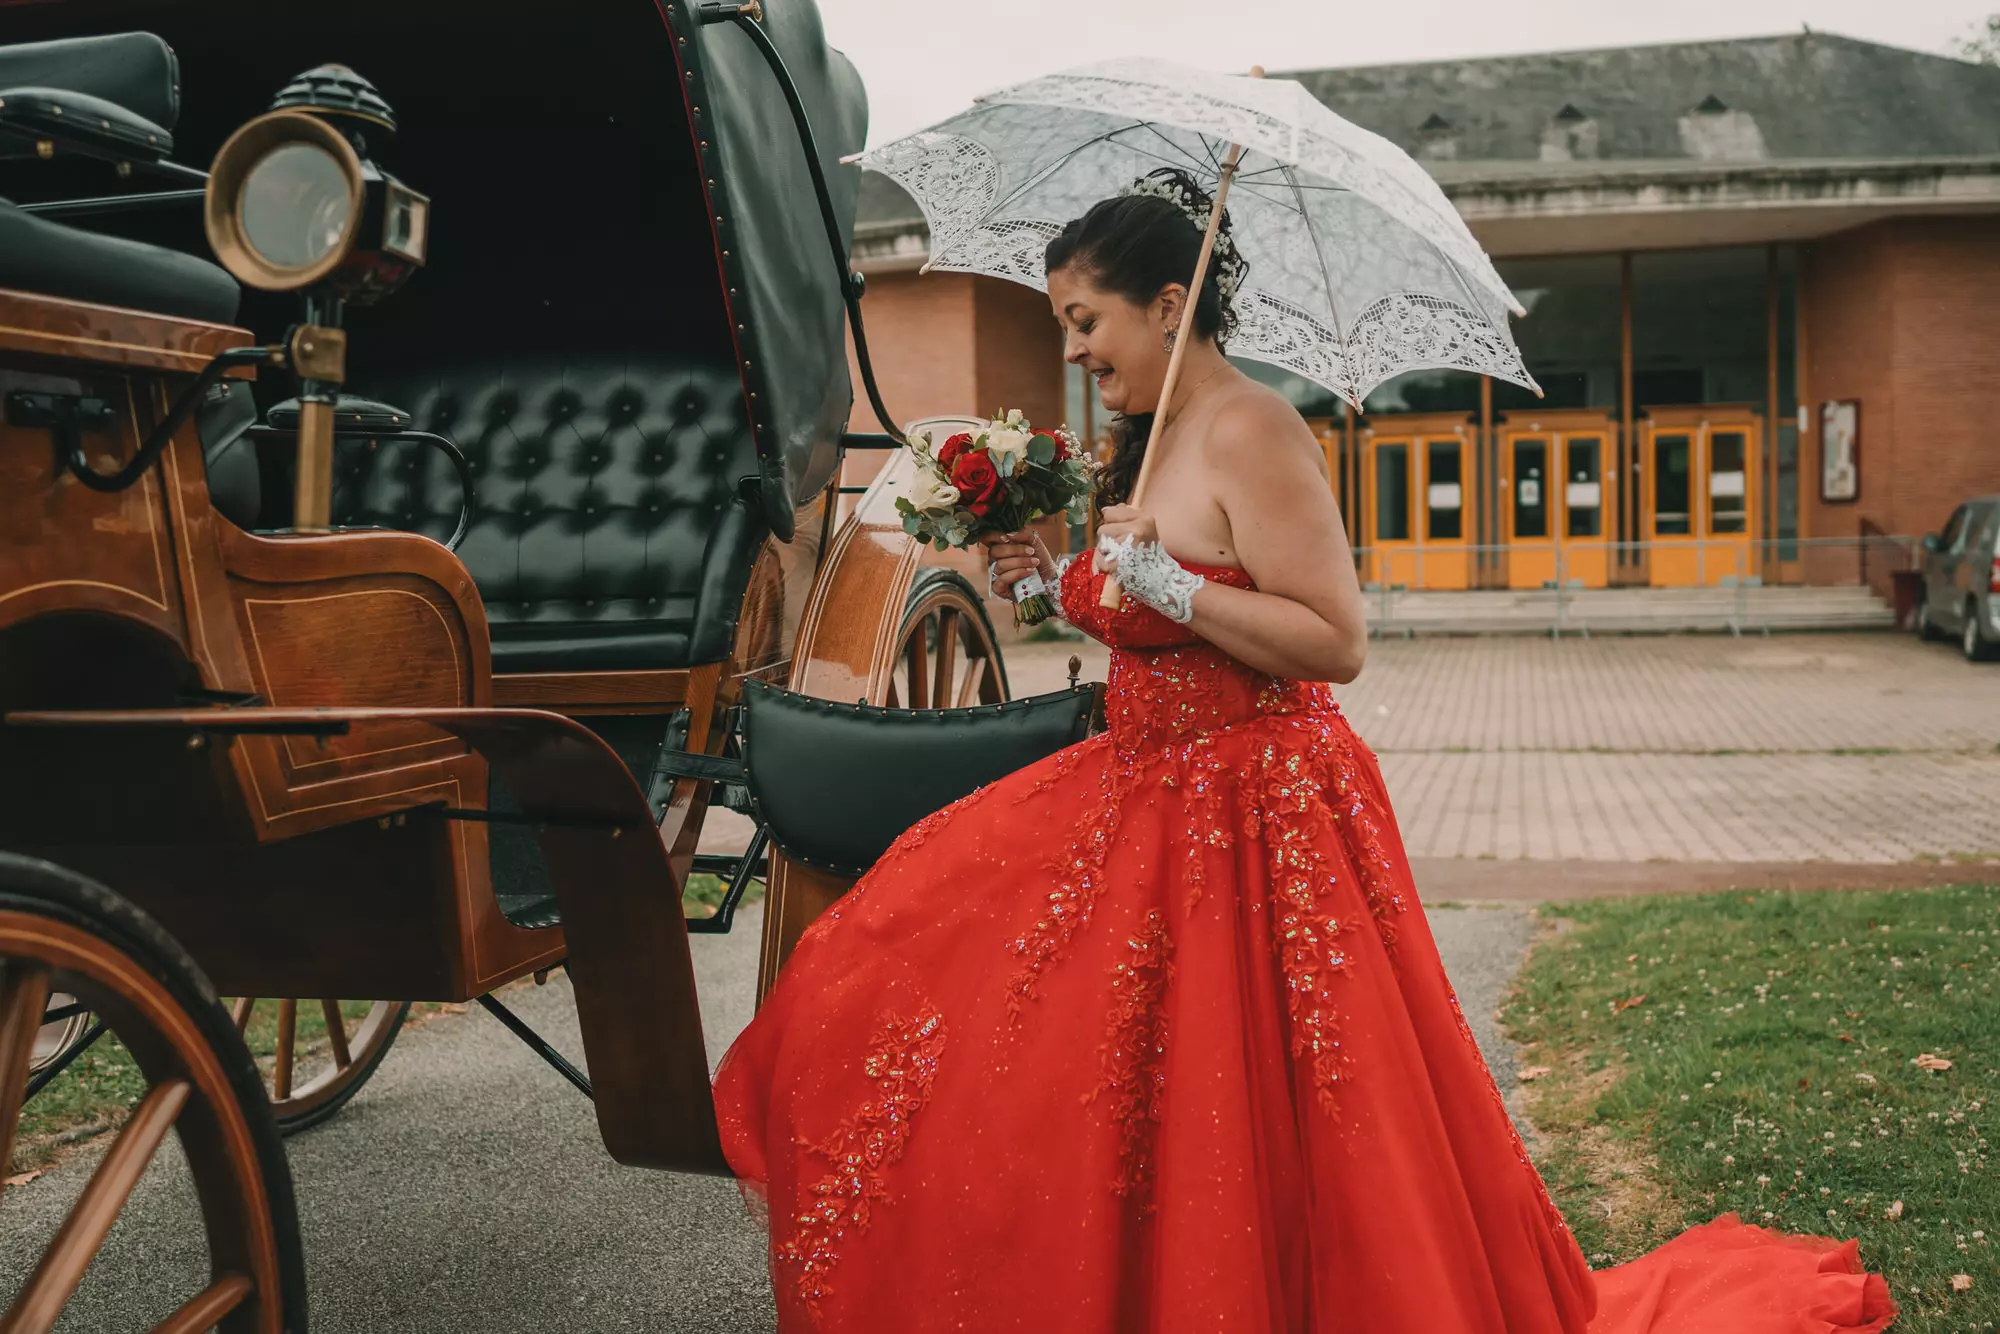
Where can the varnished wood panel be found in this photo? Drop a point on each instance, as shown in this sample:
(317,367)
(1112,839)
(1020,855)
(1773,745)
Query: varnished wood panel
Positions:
(604,692)
(48,327)
(65,547)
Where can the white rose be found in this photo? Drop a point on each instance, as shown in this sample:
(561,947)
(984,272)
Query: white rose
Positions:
(931,494)
(1007,446)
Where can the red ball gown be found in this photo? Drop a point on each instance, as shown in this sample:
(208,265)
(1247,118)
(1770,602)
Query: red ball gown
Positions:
(1152,1037)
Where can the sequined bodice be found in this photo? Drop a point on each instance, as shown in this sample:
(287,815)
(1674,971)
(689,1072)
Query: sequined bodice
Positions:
(1168,683)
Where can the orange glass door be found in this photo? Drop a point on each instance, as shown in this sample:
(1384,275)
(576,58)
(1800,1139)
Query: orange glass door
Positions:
(1700,495)
(1557,487)
(1419,482)
(1586,509)
(1530,508)
(1389,503)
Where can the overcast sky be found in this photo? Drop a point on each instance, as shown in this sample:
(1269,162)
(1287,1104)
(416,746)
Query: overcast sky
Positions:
(925,59)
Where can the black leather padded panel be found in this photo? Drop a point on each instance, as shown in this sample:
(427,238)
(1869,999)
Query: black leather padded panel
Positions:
(40,255)
(607,532)
(838,783)
(134,70)
(235,484)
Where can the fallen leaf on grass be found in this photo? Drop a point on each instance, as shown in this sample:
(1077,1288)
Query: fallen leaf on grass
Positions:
(1533,1072)
(452,1007)
(1628,1003)
(23,1179)
(1894,1211)
(1961,1283)
(1930,1062)
(1845,1037)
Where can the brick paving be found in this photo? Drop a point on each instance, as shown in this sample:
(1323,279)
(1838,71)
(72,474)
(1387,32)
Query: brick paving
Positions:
(1839,749)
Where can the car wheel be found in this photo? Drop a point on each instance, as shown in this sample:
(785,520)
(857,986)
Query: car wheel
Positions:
(1977,647)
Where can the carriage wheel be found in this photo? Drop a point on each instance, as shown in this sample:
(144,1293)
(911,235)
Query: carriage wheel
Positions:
(946,654)
(320,1051)
(61,933)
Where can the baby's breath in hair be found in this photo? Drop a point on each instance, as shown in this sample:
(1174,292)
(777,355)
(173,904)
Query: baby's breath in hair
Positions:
(1170,185)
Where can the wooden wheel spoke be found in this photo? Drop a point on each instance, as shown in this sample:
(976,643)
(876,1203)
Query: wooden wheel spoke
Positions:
(76,1243)
(24,995)
(288,1041)
(916,654)
(239,1013)
(205,1309)
(947,659)
(978,671)
(336,1033)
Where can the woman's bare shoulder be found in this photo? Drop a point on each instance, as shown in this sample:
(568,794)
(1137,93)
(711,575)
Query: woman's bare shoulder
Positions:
(1256,425)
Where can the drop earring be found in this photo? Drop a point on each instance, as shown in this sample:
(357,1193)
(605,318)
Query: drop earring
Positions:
(1168,341)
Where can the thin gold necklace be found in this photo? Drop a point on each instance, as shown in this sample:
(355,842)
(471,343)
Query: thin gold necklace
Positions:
(1172,413)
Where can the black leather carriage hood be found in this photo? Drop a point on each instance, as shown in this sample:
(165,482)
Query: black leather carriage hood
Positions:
(784,289)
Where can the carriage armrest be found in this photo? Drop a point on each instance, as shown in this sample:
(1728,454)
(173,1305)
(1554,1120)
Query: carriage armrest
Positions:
(80,123)
(628,945)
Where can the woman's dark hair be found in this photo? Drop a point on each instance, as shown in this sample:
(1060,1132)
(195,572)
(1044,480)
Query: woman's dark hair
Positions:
(1134,245)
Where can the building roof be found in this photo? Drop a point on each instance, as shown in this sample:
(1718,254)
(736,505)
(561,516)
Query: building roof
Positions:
(1669,132)
(1808,95)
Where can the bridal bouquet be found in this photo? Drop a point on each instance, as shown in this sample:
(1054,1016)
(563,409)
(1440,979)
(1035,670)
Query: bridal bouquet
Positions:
(997,479)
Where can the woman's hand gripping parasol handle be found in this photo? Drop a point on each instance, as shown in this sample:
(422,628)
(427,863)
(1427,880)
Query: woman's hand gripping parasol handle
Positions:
(1114,593)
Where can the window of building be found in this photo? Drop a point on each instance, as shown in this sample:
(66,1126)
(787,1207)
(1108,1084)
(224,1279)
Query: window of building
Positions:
(1700,327)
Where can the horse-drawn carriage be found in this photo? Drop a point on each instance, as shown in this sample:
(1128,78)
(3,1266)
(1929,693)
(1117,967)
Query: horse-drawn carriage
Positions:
(379,643)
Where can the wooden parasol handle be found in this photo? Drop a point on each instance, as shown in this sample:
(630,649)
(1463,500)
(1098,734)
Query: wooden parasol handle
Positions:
(1114,593)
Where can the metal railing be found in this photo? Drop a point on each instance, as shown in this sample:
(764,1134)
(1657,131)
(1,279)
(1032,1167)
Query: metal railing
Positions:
(1683,584)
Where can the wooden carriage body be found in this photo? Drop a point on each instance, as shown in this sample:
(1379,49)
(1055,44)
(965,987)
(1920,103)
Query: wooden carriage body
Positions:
(285,746)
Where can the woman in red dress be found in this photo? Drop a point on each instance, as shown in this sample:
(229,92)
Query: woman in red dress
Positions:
(1152,1036)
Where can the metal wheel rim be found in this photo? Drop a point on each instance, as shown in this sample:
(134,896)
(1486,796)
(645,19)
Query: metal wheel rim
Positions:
(188,1094)
(944,642)
(372,1032)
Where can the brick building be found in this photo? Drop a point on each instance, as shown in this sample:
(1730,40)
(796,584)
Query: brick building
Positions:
(1763,292)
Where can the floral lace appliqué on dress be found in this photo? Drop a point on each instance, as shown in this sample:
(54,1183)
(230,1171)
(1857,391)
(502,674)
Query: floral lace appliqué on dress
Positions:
(1206,1071)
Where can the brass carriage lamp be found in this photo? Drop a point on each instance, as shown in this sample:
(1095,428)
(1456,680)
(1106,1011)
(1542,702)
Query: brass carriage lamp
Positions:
(294,204)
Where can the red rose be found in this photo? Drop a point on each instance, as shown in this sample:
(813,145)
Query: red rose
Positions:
(953,447)
(977,480)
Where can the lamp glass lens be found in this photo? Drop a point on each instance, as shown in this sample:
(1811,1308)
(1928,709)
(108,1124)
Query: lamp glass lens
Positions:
(296,206)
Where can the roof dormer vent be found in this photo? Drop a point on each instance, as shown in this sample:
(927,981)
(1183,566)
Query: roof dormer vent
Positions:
(1437,139)
(1569,136)
(1715,133)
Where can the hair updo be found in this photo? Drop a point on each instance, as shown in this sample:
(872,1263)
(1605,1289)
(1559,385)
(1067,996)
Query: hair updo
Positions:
(1134,245)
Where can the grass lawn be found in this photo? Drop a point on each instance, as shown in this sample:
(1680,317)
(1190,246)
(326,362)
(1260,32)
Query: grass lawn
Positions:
(1778,1055)
(94,1093)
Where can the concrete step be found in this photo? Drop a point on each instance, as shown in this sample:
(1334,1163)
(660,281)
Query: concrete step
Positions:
(1659,610)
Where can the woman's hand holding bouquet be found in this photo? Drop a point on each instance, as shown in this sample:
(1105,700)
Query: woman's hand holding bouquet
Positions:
(991,484)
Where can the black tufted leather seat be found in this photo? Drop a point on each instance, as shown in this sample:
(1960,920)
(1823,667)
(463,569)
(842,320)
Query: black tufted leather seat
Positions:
(607,532)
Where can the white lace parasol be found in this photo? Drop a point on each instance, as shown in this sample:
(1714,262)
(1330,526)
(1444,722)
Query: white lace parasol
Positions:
(1359,267)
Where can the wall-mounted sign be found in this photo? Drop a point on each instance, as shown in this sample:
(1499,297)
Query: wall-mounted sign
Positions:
(1583,495)
(1446,496)
(1725,484)
(1840,450)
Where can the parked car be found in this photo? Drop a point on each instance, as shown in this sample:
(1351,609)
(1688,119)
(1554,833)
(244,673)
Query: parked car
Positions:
(1962,579)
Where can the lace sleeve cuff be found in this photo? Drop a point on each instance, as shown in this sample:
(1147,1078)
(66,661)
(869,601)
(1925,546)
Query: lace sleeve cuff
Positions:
(1148,573)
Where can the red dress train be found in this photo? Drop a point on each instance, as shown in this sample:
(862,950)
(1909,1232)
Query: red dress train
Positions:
(1152,1037)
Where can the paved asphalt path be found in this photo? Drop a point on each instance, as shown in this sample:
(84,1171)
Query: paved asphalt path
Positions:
(465,1191)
